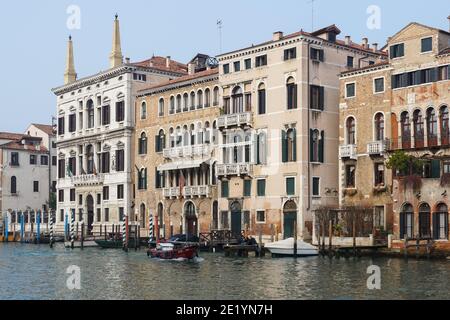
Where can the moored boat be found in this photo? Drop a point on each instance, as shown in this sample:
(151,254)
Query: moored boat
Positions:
(171,251)
(286,248)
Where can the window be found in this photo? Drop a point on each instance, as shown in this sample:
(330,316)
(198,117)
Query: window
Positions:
(379,175)
(397,51)
(419,133)
(122,214)
(60,195)
(225,189)
(139,77)
(378,85)
(159,179)
(351,130)
(179,107)
(120,160)
(440,223)
(72,195)
(72,122)
(91,115)
(33,159)
(200,99)
(14,159)
(248,64)
(80,198)
(427,45)
(317,54)
(143,144)
(405,130)
(431,169)
(72,167)
(350,90)
(432,127)
(289,145)
(160,140)
(445,132)
(105,162)
(262,99)
(106,214)
(192,105)
(261,188)
(247,188)
(61,168)
(261,61)
(238,100)
(261,148)
(350,61)
(44,160)
(379,127)
(106,115)
(317,97)
(142,179)
(120,191)
(207,98)
(316,187)
(226,68)
(378,217)
(260,216)
(99,215)
(291,94)
(105,193)
(120,111)
(216,96)
(290,186)
(54,161)
(317,144)
(350,176)
(425,221)
(237,66)
(13,185)
(418,77)
(161,107)
(61,123)
(290,54)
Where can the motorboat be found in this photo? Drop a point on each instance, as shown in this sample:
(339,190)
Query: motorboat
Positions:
(172,251)
(286,248)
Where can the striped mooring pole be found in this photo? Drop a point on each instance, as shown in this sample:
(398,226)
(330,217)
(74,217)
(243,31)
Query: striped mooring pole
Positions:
(22,227)
(6,227)
(52,222)
(72,230)
(150,228)
(38,230)
(124,233)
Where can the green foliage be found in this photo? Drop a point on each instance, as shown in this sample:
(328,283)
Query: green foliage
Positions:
(404,163)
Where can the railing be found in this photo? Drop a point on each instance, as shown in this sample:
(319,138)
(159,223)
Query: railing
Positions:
(88,179)
(196,191)
(417,142)
(171,192)
(202,150)
(235,169)
(237,119)
(376,147)
(348,151)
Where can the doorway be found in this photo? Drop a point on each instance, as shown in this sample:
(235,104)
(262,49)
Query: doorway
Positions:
(290,217)
(236,219)
(90,213)
(191,220)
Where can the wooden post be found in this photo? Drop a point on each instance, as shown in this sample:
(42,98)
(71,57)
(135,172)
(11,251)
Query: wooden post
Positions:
(260,238)
(330,236)
(323,235)
(77,229)
(295,238)
(82,236)
(135,238)
(139,237)
(354,234)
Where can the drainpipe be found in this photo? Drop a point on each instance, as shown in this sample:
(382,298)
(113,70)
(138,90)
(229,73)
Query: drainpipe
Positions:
(308,91)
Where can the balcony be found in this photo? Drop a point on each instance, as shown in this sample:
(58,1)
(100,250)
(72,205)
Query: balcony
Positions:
(88,180)
(172,192)
(348,151)
(238,119)
(376,148)
(202,150)
(196,191)
(235,169)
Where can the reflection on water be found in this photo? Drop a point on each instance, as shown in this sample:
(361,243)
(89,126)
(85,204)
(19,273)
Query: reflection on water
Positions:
(37,272)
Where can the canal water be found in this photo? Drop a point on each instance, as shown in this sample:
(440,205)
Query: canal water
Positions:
(38,272)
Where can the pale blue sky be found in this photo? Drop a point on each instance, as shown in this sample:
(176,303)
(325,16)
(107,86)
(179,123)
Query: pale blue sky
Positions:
(34,34)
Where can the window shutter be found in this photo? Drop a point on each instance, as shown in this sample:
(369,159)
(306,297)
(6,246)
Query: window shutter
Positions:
(311,52)
(321,55)
(446,225)
(321,147)
(401,50)
(157,186)
(295,96)
(284,146)
(321,98)
(294,148)
(436,217)
(311,145)
(402,225)
(435,169)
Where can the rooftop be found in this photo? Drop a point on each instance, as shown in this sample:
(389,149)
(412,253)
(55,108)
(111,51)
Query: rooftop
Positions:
(48,129)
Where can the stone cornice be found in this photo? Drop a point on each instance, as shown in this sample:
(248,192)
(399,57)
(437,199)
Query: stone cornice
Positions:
(111,134)
(365,70)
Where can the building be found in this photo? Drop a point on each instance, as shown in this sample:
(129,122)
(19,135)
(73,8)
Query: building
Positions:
(95,142)
(24,173)
(175,151)
(402,105)
(279,130)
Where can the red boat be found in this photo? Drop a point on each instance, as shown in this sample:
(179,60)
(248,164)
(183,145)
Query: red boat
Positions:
(170,251)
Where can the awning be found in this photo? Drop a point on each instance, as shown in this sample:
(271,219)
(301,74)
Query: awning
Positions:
(181,165)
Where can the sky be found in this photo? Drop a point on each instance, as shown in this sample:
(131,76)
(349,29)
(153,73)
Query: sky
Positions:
(34,36)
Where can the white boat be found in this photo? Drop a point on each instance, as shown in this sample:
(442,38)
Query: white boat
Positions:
(286,248)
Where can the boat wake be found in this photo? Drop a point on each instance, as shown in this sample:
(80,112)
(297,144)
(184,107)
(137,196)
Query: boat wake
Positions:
(195,260)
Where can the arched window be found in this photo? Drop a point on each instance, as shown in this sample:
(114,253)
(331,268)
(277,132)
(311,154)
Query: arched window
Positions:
(418,129)
(431,127)
(216,96)
(207,98)
(161,107)
(291,136)
(143,111)
(160,141)
(192,131)
(291,94)
(238,100)
(91,112)
(90,159)
(143,144)
(200,99)
(179,103)
(379,127)
(13,185)
(143,216)
(261,148)
(207,133)
(172,105)
(185,102)
(186,137)
(142,179)
(171,138)
(445,132)
(262,99)
(407,221)
(440,222)
(237,149)
(405,130)
(199,133)
(315,145)
(351,130)
(192,100)
(425,221)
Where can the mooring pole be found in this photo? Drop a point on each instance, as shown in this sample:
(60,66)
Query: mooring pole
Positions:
(82,235)
(6,228)
(38,229)
(22,227)
(51,220)
(150,229)
(72,230)
(295,238)
(124,233)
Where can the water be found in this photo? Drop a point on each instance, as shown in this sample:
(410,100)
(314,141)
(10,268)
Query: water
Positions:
(37,272)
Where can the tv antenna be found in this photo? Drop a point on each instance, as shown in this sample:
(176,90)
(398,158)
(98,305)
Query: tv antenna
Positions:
(219,29)
(312,13)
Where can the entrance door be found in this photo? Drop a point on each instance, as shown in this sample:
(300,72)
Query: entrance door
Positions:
(290,216)
(191,219)
(236,223)
(90,212)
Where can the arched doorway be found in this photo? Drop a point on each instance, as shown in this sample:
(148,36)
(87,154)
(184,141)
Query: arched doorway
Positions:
(236,219)
(290,217)
(142,214)
(90,213)
(190,217)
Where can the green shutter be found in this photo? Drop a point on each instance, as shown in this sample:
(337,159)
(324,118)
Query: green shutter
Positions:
(321,98)
(311,145)
(225,191)
(321,147)
(435,169)
(290,186)
(294,149)
(258,150)
(247,188)
(284,146)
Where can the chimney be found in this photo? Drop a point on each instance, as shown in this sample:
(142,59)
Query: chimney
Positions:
(365,43)
(127,60)
(348,40)
(277,36)
(375,47)
(191,68)
(168,62)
